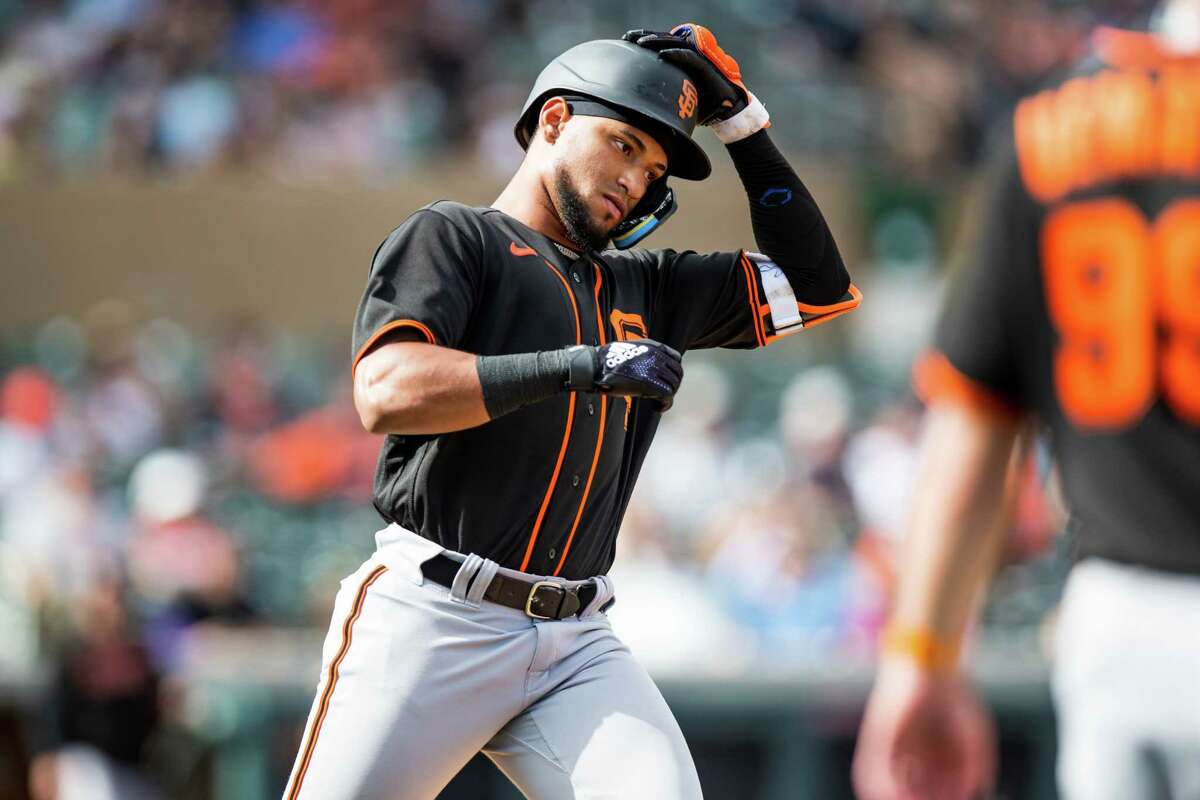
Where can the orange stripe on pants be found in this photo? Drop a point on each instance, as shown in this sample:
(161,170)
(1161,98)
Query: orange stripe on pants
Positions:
(323,706)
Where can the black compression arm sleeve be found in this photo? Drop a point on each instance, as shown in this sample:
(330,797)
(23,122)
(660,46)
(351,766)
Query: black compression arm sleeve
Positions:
(788,226)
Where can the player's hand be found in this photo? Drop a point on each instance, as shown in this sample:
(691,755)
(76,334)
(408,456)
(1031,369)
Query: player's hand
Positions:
(694,49)
(924,736)
(638,368)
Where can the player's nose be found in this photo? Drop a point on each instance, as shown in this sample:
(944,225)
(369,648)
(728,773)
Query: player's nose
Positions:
(634,186)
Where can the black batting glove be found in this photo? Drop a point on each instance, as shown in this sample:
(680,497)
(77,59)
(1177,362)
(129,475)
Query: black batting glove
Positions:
(694,49)
(638,368)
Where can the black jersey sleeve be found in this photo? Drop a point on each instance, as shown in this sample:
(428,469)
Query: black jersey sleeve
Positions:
(424,277)
(702,300)
(725,299)
(976,344)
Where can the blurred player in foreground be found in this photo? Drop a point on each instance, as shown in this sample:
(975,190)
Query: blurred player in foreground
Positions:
(1080,307)
(520,368)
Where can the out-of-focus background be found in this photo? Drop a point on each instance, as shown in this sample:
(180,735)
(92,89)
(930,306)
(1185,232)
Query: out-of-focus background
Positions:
(190,194)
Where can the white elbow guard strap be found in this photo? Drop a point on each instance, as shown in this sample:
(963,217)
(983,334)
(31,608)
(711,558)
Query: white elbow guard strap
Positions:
(781,298)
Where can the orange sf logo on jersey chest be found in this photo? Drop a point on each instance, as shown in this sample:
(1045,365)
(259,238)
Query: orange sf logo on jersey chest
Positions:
(687,100)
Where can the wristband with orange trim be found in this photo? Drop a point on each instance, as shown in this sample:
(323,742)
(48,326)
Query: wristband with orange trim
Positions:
(921,646)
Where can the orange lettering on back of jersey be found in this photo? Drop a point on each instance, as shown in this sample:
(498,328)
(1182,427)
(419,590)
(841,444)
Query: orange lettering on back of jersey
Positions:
(1033,125)
(1181,107)
(1076,140)
(1124,106)
(1117,124)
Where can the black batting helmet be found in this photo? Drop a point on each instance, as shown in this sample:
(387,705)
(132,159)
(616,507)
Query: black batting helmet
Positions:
(656,96)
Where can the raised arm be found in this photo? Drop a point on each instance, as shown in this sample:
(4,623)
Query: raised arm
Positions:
(788,226)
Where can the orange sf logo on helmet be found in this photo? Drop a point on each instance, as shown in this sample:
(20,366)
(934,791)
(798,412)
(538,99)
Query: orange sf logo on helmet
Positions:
(687,100)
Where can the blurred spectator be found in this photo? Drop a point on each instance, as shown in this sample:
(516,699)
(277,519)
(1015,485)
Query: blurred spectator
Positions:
(122,410)
(784,570)
(880,464)
(90,739)
(688,453)
(183,567)
(815,416)
(665,614)
(324,453)
(242,377)
(55,543)
(29,402)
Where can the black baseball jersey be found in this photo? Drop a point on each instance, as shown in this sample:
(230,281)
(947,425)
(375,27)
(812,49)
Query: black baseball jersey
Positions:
(1081,298)
(542,489)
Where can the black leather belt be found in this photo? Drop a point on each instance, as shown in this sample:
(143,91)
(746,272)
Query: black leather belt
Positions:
(538,599)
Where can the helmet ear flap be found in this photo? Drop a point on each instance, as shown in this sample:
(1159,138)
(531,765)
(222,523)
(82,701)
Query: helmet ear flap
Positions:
(655,207)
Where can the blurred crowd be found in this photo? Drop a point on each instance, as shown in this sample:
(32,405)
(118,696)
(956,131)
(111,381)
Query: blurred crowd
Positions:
(298,88)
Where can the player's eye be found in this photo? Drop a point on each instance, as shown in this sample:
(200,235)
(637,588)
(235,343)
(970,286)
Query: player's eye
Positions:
(623,146)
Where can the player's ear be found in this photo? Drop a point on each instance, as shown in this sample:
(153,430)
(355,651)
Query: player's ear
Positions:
(555,113)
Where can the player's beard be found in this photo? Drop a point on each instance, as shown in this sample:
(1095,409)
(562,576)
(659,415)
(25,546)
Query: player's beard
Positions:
(575,215)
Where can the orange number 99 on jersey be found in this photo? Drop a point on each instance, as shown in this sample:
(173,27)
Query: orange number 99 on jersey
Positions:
(1112,278)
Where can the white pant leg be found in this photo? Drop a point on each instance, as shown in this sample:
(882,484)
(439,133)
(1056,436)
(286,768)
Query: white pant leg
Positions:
(1127,684)
(413,683)
(597,726)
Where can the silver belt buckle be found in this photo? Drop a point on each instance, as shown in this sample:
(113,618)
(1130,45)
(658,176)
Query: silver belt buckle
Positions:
(533,593)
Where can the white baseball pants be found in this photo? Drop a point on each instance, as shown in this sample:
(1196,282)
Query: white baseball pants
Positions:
(416,679)
(1127,684)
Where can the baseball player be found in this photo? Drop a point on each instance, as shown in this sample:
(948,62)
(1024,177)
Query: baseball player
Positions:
(1079,308)
(519,369)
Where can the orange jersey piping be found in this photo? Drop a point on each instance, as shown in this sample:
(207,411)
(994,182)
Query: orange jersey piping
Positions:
(334,666)
(391,326)
(831,312)
(841,305)
(752,293)
(587,487)
(937,381)
(562,450)
(834,311)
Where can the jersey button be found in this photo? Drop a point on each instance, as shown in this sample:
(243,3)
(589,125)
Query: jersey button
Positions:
(574,480)
(552,553)
(575,277)
(591,410)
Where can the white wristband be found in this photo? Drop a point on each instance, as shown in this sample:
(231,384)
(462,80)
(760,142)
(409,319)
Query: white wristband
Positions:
(751,119)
